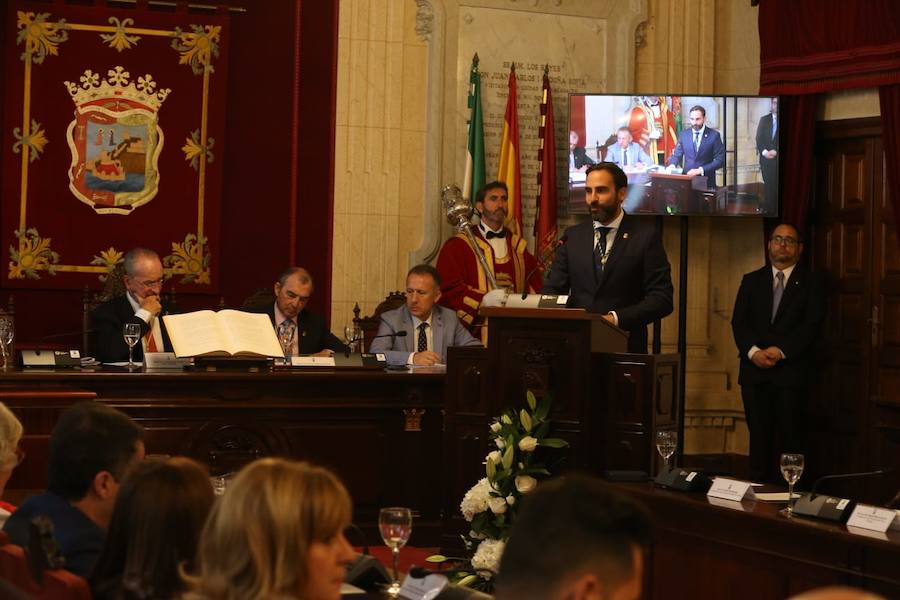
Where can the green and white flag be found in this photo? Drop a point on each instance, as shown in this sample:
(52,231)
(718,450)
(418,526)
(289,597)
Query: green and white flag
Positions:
(474,178)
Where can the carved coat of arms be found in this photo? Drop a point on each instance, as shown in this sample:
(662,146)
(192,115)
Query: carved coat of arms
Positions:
(115,140)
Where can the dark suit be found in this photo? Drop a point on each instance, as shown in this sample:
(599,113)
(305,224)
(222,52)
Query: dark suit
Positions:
(80,539)
(710,156)
(768,166)
(314,335)
(446,331)
(775,398)
(108,320)
(580,157)
(636,281)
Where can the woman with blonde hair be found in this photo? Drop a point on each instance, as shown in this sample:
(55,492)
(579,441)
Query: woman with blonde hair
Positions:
(278,532)
(10,455)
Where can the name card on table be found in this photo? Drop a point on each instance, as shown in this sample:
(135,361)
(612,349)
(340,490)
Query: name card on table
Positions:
(423,588)
(875,518)
(312,361)
(731,489)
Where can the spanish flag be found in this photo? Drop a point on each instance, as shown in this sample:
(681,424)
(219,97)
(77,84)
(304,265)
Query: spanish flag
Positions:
(508,171)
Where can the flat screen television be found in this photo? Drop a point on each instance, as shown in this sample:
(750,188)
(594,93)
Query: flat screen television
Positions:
(684,155)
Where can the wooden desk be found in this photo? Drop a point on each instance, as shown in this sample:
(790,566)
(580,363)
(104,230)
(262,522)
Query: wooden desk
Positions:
(380,431)
(707,551)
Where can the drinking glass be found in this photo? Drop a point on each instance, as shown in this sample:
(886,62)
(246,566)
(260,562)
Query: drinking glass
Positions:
(666,443)
(791,470)
(132,333)
(395,525)
(286,339)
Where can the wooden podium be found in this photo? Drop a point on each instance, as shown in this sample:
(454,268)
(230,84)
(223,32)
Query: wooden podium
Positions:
(606,403)
(675,194)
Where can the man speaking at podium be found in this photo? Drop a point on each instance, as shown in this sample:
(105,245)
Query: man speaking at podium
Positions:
(701,148)
(614,264)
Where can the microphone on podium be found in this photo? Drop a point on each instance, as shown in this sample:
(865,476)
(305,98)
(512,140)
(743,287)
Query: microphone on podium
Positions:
(831,508)
(401,333)
(542,263)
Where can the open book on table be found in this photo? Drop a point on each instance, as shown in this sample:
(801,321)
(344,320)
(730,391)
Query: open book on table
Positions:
(227,333)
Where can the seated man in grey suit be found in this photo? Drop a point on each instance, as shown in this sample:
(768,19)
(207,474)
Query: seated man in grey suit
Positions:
(627,153)
(430,329)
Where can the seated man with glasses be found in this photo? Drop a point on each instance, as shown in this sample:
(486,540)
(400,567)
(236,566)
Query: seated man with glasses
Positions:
(141,304)
(777,321)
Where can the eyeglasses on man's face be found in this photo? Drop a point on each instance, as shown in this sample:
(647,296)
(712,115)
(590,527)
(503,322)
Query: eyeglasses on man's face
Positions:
(149,283)
(784,240)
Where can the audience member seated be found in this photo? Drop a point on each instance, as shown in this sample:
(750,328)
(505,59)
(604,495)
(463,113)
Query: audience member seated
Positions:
(429,329)
(293,290)
(10,454)
(155,525)
(277,532)
(90,449)
(141,304)
(575,537)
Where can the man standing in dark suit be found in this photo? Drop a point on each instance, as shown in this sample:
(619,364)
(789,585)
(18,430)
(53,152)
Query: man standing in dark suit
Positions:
(767,146)
(614,264)
(293,290)
(428,329)
(777,320)
(701,148)
(141,304)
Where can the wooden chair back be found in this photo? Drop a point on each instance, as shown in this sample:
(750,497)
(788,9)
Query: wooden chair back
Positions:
(369,325)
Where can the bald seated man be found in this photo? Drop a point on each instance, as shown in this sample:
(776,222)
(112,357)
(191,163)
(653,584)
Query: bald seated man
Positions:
(293,290)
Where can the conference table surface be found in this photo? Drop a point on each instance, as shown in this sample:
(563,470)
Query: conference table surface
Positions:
(710,548)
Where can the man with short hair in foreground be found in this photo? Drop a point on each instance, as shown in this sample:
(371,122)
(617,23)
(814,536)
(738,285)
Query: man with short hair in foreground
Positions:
(91,449)
(575,538)
(293,290)
(430,329)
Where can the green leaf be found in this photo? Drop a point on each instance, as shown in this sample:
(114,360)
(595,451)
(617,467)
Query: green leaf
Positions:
(543,409)
(542,431)
(508,456)
(554,443)
(436,558)
(532,401)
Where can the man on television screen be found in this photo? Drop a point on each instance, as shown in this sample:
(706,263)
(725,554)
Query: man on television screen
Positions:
(613,264)
(700,148)
(626,153)
(767,146)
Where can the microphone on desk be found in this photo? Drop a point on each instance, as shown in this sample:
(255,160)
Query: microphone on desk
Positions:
(401,333)
(65,334)
(831,508)
(542,263)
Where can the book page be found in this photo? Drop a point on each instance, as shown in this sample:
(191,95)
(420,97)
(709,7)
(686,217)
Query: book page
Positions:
(195,333)
(249,333)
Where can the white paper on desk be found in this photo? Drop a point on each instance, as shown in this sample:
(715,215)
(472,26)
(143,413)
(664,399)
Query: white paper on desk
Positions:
(422,588)
(124,363)
(867,533)
(732,504)
(866,516)
(775,496)
(731,489)
(351,590)
(312,361)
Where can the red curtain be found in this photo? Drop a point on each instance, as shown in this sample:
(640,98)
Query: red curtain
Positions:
(813,46)
(889,96)
(809,46)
